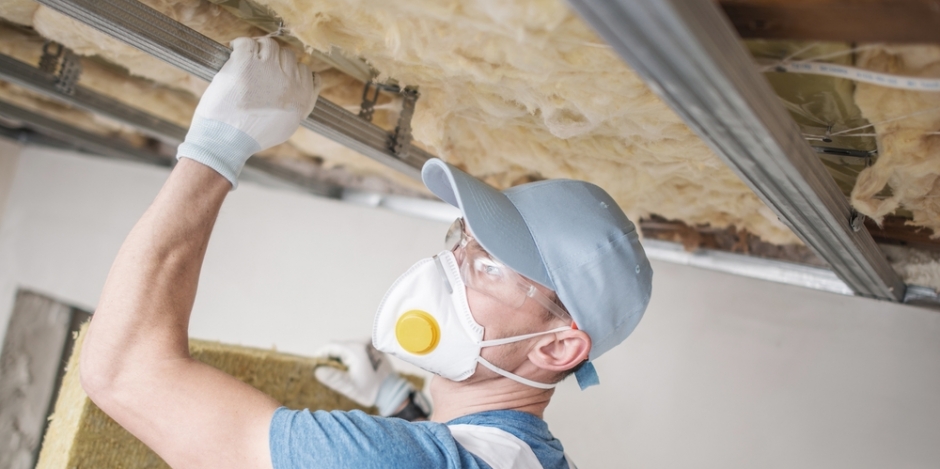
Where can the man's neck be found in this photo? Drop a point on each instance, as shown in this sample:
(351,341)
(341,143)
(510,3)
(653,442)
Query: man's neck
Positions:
(457,399)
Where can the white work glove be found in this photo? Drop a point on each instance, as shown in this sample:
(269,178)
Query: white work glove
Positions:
(255,102)
(370,379)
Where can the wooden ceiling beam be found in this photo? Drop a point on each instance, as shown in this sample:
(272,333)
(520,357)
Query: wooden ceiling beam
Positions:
(897,21)
(895,230)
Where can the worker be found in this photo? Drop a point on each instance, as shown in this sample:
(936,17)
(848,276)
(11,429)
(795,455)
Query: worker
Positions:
(537,281)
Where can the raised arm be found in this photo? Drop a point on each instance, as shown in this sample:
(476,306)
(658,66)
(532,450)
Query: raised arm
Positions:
(135,362)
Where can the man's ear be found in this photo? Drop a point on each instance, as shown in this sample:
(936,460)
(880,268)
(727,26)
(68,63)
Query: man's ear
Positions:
(561,351)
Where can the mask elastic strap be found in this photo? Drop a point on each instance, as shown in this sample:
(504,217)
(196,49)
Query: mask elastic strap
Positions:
(509,340)
(512,376)
(517,338)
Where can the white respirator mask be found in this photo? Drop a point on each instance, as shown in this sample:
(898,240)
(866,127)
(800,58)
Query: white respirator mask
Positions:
(425,320)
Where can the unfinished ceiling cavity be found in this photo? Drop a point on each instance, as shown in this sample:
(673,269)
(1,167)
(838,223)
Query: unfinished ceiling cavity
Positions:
(509,91)
(524,90)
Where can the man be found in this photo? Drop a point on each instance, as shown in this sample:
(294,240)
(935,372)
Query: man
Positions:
(538,280)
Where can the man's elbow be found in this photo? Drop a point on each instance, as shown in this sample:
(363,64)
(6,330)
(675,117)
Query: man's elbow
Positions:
(98,376)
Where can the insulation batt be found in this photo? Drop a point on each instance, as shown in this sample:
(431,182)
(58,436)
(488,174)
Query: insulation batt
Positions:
(80,435)
(18,11)
(510,89)
(916,267)
(908,149)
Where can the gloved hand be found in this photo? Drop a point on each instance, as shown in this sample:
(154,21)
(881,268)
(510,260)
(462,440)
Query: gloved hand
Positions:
(255,102)
(370,379)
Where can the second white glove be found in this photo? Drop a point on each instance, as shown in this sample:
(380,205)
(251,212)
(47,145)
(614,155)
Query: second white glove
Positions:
(369,379)
(256,101)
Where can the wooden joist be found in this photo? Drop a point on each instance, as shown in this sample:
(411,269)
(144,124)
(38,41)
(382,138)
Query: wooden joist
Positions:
(896,230)
(898,21)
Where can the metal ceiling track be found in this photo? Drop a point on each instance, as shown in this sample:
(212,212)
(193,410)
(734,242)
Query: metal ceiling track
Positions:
(156,34)
(689,54)
(58,134)
(38,81)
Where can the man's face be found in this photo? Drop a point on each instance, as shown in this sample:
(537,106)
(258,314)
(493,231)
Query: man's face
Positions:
(501,302)
(500,320)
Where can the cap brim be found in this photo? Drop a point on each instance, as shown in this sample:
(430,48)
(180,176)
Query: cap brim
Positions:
(493,219)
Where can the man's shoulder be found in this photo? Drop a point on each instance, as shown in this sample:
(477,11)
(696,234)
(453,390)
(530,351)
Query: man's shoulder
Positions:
(303,438)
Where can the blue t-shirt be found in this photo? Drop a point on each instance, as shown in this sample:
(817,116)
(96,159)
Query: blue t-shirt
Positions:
(304,439)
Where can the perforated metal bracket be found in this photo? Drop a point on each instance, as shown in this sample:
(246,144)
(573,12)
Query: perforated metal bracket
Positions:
(56,57)
(402,136)
(51,53)
(367,108)
(69,73)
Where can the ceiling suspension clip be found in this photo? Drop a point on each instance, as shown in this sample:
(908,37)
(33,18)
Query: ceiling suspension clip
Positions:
(401,138)
(56,57)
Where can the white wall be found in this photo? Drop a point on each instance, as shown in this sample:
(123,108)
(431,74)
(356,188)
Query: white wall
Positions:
(723,372)
(728,372)
(282,269)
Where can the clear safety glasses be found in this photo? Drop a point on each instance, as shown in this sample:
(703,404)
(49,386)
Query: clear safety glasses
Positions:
(486,275)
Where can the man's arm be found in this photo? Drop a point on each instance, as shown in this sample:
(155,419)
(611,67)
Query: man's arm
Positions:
(135,363)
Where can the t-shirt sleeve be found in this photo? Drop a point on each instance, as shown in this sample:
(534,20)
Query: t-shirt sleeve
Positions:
(304,439)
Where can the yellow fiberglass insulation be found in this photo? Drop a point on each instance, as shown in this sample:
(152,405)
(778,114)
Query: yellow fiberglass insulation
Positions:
(18,11)
(907,124)
(515,88)
(80,435)
(916,267)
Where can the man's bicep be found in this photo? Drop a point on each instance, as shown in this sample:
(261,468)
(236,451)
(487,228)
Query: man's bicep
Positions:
(195,416)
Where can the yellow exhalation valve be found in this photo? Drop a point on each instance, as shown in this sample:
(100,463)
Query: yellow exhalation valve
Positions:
(417,332)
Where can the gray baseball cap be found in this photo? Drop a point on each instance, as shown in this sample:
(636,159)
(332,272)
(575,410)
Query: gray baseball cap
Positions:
(569,236)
